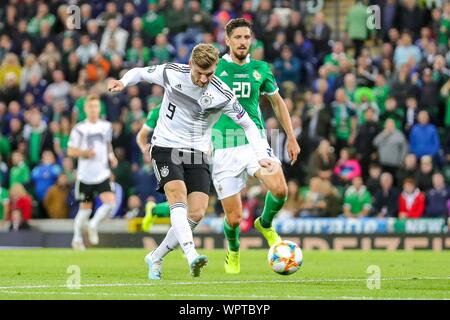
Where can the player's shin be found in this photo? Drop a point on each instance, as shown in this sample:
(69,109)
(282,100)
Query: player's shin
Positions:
(169,243)
(232,235)
(81,218)
(102,213)
(182,230)
(271,207)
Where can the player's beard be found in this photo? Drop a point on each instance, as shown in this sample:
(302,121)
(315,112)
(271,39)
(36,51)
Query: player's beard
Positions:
(240,55)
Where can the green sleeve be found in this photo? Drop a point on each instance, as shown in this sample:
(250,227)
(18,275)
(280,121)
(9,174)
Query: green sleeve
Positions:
(5,196)
(347,201)
(269,85)
(152,117)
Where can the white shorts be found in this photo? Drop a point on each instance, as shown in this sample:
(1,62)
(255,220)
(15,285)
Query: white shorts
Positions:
(232,166)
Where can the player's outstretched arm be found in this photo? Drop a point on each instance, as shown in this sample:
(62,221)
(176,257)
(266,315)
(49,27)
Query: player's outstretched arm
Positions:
(282,114)
(153,74)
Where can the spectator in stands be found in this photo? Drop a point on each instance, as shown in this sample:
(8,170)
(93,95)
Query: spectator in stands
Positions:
(347,167)
(134,208)
(320,35)
(423,176)
(198,22)
(154,21)
(344,121)
(59,89)
(42,15)
(20,172)
(429,95)
(55,200)
(366,132)
(31,67)
(20,200)
(316,119)
(392,147)
(403,85)
(287,68)
(114,39)
(373,180)
(411,114)
(424,138)
(392,112)
(322,161)
(10,90)
(406,50)
(138,55)
(437,198)
(357,200)
(410,17)
(411,201)
(386,198)
(176,18)
(356,25)
(313,202)
(17,221)
(86,50)
(407,170)
(303,49)
(293,203)
(44,176)
(162,51)
(37,136)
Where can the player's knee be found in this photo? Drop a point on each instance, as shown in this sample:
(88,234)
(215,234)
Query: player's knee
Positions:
(175,194)
(280,191)
(197,213)
(234,220)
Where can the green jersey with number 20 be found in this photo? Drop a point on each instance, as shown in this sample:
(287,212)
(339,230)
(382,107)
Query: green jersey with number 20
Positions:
(248,82)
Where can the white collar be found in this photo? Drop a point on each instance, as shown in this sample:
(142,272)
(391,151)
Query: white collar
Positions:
(227,58)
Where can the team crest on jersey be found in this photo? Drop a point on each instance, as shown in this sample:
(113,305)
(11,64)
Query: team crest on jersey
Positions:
(164,171)
(206,100)
(151,69)
(256,75)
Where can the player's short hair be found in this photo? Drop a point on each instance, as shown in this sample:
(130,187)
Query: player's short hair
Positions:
(92,97)
(237,23)
(204,55)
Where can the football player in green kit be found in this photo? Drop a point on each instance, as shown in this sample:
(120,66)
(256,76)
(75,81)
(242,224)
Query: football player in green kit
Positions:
(233,159)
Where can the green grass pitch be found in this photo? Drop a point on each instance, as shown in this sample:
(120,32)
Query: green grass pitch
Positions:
(122,274)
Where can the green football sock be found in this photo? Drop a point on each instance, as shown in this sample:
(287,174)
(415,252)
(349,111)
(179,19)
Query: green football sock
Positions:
(161,209)
(232,235)
(271,207)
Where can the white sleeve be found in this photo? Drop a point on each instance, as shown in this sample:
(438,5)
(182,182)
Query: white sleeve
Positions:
(152,74)
(75,138)
(236,112)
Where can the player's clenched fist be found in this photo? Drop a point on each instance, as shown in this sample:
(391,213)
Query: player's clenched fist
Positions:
(115,86)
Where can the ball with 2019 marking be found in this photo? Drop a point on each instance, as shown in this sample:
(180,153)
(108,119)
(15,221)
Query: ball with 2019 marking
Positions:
(285,257)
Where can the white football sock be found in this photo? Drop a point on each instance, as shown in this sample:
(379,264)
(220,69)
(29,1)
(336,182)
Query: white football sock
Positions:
(182,230)
(169,243)
(81,218)
(101,213)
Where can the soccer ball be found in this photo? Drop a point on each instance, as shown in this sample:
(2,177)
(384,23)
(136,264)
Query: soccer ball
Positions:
(285,257)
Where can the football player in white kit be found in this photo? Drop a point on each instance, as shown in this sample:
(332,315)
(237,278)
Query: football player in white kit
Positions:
(194,99)
(90,142)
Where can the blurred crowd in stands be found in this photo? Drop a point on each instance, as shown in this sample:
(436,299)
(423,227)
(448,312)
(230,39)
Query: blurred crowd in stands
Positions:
(370,108)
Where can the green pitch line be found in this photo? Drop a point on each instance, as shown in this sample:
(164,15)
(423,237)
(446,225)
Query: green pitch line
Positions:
(122,274)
